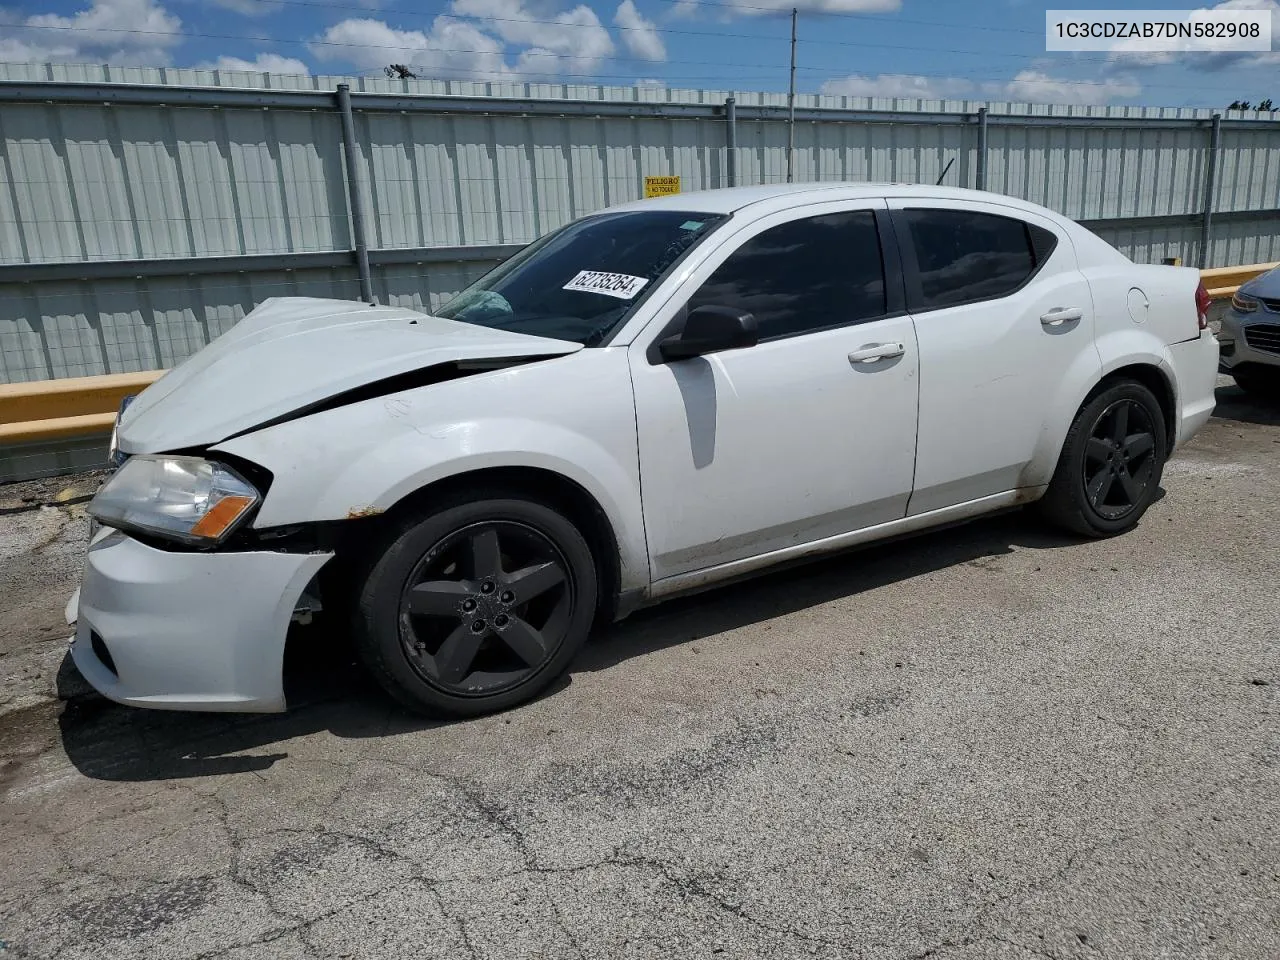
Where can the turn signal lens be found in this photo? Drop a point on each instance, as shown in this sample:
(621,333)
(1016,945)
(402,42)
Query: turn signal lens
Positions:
(222,516)
(1243,303)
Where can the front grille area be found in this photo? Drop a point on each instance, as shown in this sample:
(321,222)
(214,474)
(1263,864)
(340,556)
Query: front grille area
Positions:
(1263,336)
(101,652)
(1271,303)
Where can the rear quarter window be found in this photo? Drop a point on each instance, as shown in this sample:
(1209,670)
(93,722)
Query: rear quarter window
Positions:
(964,256)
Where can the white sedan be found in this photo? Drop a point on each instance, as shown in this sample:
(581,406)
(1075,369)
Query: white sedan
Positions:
(651,400)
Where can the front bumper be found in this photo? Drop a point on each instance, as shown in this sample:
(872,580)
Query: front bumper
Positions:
(1236,349)
(187,631)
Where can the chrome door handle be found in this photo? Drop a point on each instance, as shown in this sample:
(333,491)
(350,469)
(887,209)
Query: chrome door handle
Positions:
(877,351)
(1061,315)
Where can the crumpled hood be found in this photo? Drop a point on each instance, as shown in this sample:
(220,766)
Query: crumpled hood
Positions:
(292,352)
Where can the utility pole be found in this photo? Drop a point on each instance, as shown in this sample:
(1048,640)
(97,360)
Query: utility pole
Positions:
(791,106)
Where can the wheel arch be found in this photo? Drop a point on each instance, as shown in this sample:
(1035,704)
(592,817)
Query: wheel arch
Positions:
(546,486)
(1155,378)
(1083,383)
(1066,501)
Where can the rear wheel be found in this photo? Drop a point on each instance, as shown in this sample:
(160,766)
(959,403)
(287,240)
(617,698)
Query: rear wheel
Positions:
(476,607)
(1259,384)
(1111,463)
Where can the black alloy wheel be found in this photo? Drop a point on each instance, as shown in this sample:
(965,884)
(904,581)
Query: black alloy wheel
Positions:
(1112,460)
(1119,459)
(477,605)
(485,608)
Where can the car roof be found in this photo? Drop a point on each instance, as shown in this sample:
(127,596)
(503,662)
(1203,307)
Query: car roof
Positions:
(762,201)
(732,199)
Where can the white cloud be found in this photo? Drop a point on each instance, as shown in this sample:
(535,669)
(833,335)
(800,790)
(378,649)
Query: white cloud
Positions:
(125,32)
(1256,59)
(755,8)
(685,9)
(262,63)
(1124,56)
(248,8)
(1037,87)
(899,85)
(639,35)
(260,8)
(15,50)
(471,43)
(574,41)
(452,49)
(1032,86)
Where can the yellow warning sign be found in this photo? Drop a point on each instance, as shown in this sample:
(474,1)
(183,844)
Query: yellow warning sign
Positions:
(661,186)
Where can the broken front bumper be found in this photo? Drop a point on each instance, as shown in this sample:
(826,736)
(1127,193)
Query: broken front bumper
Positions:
(187,631)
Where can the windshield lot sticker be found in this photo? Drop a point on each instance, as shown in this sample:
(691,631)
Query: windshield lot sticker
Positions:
(620,285)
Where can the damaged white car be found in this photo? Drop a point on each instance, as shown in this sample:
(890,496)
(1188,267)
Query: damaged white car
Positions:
(651,400)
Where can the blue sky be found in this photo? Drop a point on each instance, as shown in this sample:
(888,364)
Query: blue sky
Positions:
(987,49)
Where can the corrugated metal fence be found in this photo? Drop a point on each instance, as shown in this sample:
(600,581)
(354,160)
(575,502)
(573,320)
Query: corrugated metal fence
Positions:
(142,212)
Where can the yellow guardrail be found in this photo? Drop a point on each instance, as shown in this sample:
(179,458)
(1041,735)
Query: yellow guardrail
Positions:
(70,407)
(83,406)
(1223,282)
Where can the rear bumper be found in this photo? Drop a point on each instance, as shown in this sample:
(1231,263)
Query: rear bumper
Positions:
(1195,371)
(187,631)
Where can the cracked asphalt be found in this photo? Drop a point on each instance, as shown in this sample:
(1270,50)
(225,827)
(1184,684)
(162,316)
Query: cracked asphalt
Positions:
(983,742)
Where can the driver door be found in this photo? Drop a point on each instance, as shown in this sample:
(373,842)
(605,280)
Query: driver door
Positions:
(809,434)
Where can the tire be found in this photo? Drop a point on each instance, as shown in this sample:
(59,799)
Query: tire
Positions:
(1111,463)
(1259,385)
(477,606)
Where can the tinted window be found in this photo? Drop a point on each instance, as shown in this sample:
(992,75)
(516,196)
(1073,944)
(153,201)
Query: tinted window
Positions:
(965,256)
(803,275)
(580,282)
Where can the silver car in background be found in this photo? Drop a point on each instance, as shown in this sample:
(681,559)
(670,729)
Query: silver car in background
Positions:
(1250,337)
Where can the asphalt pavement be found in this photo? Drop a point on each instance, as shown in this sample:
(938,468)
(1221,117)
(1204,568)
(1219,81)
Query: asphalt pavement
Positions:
(989,741)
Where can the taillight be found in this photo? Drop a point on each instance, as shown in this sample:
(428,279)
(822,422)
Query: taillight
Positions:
(1202,305)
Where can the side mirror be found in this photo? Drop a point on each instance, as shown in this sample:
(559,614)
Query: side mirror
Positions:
(710,329)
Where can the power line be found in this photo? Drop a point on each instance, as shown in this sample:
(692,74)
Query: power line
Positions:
(383,46)
(458,50)
(365,46)
(784,10)
(403,12)
(880,18)
(672,30)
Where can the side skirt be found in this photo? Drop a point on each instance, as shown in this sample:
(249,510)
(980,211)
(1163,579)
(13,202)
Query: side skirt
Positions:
(724,573)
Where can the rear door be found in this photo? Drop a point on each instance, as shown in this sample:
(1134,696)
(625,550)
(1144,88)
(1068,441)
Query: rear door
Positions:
(1002,313)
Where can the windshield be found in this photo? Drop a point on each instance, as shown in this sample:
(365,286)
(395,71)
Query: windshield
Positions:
(580,282)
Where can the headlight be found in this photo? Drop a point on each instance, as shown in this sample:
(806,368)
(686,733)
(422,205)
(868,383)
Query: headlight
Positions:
(114,456)
(183,498)
(1243,303)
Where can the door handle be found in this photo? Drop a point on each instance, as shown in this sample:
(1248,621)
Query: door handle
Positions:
(877,351)
(1061,315)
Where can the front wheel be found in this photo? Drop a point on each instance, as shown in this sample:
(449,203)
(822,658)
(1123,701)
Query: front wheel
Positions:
(1259,385)
(476,607)
(1111,463)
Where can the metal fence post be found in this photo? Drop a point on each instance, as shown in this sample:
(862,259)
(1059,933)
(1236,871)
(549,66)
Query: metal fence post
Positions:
(353,190)
(1210,187)
(731,140)
(980,172)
